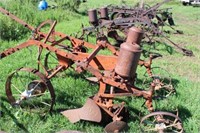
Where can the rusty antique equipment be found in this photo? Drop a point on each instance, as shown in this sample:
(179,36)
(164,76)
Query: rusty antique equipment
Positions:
(31,89)
(191,2)
(113,19)
(112,32)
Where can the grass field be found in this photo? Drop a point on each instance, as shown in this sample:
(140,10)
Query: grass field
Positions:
(72,90)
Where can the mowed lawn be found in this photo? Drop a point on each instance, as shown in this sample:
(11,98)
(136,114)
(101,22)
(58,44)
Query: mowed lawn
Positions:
(72,89)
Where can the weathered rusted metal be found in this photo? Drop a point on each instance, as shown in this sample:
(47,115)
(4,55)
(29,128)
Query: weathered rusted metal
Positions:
(33,88)
(105,68)
(92,13)
(129,54)
(135,35)
(128,58)
(161,122)
(90,112)
(16,19)
(115,127)
(104,13)
(124,18)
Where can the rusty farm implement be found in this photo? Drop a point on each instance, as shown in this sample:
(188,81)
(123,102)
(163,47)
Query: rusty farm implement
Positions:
(115,75)
(113,20)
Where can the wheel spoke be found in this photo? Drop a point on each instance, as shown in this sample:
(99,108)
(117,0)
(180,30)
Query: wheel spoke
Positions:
(16,95)
(151,129)
(24,85)
(46,104)
(36,85)
(16,88)
(165,121)
(35,96)
(172,125)
(27,80)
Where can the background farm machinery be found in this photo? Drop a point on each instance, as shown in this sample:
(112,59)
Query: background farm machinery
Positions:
(114,23)
(190,2)
(31,89)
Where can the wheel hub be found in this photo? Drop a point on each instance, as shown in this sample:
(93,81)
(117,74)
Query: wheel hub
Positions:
(34,88)
(160,126)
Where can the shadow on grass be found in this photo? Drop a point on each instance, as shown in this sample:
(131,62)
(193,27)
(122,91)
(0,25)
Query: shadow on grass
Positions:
(161,93)
(164,93)
(160,46)
(71,73)
(175,82)
(82,13)
(61,99)
(184,113)
(6,111)
(173,31)
(131,110)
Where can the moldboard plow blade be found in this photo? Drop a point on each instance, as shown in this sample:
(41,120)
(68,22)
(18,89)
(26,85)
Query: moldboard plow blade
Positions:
(90,112)
(115,127)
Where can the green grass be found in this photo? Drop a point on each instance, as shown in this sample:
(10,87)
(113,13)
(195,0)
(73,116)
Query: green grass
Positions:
(72,90)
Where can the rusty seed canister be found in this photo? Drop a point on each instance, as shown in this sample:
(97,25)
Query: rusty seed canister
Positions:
(104,12)
(129,54)
(135,35)
(92,13)
(128,58)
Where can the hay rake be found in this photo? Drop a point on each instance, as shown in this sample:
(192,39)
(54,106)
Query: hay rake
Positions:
(31,89)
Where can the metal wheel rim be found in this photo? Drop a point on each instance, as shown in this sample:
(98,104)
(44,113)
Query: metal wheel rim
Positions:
(43,80)
(177,120)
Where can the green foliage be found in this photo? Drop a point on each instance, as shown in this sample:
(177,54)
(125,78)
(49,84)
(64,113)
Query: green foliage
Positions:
(11,30)
(72,90)
(69,4)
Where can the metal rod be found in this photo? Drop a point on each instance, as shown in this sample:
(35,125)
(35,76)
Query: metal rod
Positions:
(93,54)
(16,19)
(45,40)
(50,31)
(55,72)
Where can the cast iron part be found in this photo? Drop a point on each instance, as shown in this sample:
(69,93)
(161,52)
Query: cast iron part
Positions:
(129,54)
(161,122)
(115,127)
(93,16)
(111,84)
(104,13)
(32,85)
(128,17)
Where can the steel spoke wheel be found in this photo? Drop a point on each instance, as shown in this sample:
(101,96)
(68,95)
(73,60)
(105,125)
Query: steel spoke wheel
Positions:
(50,62)
(30,90)
(162,80)
(161,122)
